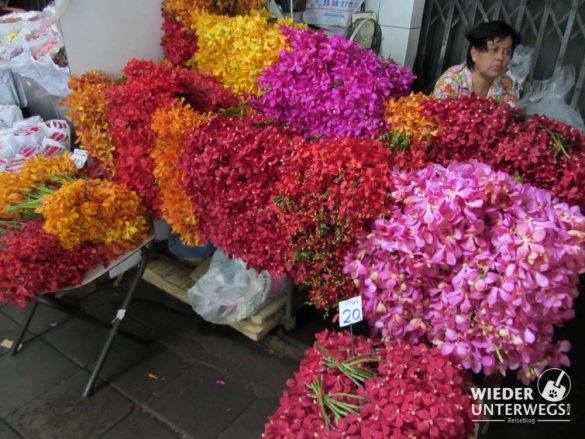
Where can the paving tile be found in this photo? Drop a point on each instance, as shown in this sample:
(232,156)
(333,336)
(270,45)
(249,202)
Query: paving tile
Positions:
(45,318)
(36,369)
(158,368)
(9,330)
(6,432)
(201,402)
(82,342)
(191,351)
(140,425)
(62,413)
(250,424)
(239,355)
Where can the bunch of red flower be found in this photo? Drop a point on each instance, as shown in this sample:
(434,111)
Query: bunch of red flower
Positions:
(178,44)
(406,391)
(331,193)
(232,166)
(548,154)
(131,106)
(471,127)
(32,262)
(534,149)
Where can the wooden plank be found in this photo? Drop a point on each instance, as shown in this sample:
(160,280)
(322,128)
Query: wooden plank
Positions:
(269,310)
(257,332)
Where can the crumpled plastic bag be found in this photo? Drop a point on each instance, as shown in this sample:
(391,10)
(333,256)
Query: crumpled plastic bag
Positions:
(229,292)
(519,67)
(547,98)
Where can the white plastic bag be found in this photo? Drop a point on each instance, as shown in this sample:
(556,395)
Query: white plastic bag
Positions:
(519,67)
(9,114)
(548,98)
(229,292)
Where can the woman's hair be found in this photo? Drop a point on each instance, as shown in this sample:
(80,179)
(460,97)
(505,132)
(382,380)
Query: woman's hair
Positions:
(479,36)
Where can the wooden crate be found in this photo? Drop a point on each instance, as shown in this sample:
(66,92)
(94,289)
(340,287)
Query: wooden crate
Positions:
(175,278)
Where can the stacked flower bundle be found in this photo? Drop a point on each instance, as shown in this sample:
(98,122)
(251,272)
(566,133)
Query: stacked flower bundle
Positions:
(232,166)
(58,225)
(410,132)
(171,125)
(248,44)
(330,86)
(534,149)
(380,390)
(88,109)
(330,193)
(475,263)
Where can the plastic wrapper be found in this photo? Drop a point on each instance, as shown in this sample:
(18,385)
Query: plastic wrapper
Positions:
(9,114)
(548,98)
(229,292)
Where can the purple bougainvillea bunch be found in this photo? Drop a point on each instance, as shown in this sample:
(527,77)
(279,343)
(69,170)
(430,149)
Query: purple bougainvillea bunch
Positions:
(475,263)
(330,86)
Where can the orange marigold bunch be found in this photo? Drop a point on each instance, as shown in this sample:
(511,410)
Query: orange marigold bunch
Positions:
(88,109)
(171,124)
(405,114)
(98,211)
(37,171)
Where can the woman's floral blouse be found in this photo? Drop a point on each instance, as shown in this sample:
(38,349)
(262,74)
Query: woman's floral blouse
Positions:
(457,81)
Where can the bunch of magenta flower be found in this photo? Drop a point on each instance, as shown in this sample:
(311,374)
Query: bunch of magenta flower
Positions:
(475,263)
(330,86)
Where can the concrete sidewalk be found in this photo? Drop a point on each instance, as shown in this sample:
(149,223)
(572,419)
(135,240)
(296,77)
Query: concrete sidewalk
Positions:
(195,379)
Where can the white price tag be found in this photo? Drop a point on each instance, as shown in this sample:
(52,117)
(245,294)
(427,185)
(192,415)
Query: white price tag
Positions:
(79,157)
(350,311)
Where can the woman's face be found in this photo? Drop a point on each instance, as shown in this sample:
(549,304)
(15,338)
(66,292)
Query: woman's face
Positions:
(493,62)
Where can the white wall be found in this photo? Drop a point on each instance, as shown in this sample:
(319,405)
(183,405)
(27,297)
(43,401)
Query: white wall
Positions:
(106,34)
(400,21)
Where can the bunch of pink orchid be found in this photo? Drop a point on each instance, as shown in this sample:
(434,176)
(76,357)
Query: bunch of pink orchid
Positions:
(475,263)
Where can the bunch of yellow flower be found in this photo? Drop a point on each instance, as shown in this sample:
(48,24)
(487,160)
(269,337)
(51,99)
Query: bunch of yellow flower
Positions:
(87,108)
(236,50)
(405,115)
(171,124)
(37,171)
(99,211)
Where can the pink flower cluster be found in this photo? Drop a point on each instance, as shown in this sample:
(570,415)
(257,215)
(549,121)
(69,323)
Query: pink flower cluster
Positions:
(330,86)
(415,392)
(475,263)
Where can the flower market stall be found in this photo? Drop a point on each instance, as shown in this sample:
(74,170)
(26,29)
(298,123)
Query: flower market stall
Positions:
(457,221)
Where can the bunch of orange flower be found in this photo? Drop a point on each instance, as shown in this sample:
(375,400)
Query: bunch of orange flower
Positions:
(88,109)
(236,7)
(405,115)
(181,10)
(171,125)
(97,211)
(37,171)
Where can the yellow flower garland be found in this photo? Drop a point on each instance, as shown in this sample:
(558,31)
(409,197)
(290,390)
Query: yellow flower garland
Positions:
(236,50)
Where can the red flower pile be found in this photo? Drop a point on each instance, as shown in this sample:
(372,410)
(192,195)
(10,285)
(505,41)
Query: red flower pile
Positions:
(32,262)
(382,390)
(232,166)
(131,106)
(178,44)
(534,149)
(331,193)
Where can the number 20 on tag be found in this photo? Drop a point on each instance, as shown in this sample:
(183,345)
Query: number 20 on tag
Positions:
(350,311)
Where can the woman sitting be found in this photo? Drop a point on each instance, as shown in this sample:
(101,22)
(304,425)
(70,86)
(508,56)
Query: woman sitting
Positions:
(491,46)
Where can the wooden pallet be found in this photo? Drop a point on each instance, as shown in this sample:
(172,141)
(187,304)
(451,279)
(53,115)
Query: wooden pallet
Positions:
(174,278)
